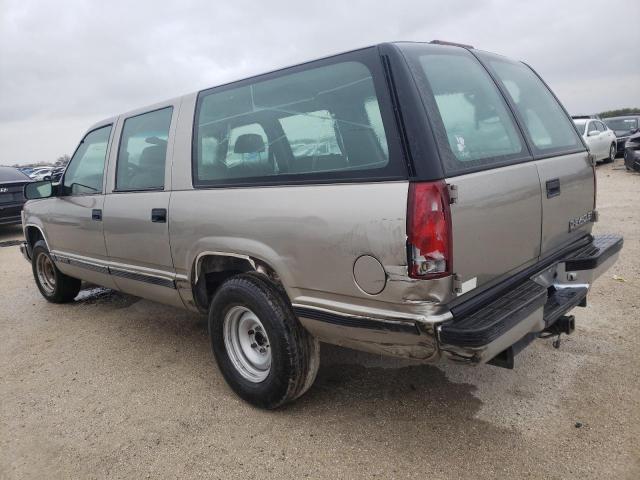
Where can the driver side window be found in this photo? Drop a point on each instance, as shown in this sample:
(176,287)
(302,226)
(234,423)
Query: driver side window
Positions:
(86,169)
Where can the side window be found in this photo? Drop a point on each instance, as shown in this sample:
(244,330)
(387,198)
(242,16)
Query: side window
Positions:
(601,126)
(478,127)
(143,151)
(324,122)
(86,168)
(593,127)
(545,122)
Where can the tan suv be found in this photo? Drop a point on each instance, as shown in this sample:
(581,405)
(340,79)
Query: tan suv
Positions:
(410,199)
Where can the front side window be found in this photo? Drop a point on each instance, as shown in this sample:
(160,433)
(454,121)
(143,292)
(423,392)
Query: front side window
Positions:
(143,151)
(545,122)
(323,122)
(467,108)
(86,168)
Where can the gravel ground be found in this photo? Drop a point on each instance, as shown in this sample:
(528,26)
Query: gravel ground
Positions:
(116,387)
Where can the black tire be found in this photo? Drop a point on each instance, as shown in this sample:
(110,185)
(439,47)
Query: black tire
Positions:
(294,353)
(613,151)
(63,288)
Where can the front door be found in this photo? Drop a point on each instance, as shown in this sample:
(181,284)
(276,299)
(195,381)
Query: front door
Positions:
(136,209)
(73,224)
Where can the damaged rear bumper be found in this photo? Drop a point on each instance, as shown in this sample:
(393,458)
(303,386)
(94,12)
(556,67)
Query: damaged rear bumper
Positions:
(497,323)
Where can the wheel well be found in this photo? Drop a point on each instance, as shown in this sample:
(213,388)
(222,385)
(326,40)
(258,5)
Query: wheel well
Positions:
(33,234)
(211,271)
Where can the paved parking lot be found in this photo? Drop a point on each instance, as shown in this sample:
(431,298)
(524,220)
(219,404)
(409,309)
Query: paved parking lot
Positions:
(113,386)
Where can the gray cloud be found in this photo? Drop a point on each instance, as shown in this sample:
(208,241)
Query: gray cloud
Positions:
(65,65)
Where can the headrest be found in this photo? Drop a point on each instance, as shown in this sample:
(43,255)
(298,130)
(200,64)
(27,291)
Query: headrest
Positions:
(153,156)
(249,143)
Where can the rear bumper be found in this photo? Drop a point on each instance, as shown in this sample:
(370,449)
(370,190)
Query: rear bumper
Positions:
(534,305)
(511,314)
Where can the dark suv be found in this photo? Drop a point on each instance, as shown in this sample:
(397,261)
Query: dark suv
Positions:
(624,127)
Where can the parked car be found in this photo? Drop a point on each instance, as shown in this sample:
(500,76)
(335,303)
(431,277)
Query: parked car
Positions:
(419,200)
(599,138)
(56,174)
(25,170)
(632,152)
(43,173)
(12,182)
(623,127)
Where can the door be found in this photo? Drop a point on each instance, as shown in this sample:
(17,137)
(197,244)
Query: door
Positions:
(497,215)
(565,170)
(136,208)
(73,224)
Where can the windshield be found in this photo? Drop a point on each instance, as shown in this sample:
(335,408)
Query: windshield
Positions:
(580,124)
(622,124)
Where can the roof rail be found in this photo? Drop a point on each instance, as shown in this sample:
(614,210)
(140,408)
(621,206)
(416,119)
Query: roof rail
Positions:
(454,44)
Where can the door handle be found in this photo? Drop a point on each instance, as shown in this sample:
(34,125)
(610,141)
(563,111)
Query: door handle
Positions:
(96,214)
(159,215)
(553,188)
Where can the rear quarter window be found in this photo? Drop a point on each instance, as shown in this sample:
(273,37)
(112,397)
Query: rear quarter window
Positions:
(474,128)
(547,126)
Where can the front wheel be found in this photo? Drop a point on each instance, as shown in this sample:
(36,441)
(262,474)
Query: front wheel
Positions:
(263,352)
(54,285)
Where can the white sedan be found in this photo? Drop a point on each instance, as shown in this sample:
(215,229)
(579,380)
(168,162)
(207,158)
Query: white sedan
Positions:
(600,139)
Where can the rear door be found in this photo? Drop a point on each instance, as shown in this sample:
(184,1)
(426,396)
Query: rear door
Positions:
(136,207)
(497,216)
(565,169)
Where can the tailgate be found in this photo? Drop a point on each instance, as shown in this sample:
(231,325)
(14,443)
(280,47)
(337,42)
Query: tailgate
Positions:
(567,199)
(496,223)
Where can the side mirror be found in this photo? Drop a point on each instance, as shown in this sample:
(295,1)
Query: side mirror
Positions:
(35,190)
(593,133)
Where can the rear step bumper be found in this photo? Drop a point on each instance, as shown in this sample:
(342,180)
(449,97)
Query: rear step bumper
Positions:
(511,318)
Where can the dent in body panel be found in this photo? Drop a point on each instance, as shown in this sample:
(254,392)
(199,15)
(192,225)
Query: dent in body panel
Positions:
(309,235)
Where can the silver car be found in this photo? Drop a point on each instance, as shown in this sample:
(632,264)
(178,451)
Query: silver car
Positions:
(427,201)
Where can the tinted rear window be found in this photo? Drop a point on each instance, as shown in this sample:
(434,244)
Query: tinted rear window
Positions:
(548,127)
(474,127)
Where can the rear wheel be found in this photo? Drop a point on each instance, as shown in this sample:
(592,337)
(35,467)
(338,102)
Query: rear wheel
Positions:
(263,352)
(612,153)
(54,285)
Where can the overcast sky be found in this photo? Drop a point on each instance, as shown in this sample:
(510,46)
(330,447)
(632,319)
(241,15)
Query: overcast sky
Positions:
(67,64)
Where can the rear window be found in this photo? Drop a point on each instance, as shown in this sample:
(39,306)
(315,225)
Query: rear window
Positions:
(318,123)
(546,123)
(474,127)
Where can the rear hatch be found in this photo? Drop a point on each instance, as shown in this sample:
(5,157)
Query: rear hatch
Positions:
(520,170)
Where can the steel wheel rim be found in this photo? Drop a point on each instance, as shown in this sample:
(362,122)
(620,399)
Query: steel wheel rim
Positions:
(247,344)
(46,273)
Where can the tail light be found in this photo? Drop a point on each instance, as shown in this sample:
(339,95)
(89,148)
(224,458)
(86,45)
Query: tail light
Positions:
(429,242)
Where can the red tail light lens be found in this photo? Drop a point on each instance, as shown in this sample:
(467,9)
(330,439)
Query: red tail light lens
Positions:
(429,230)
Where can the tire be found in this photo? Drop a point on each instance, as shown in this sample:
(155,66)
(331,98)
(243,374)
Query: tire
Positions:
(54,285)
(247,314)
(613,151)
